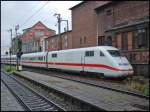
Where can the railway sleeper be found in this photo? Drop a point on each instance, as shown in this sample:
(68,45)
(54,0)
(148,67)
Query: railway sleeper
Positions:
(43,107)
(34,103)
(27,95)
(40,104)
(31,101)
(37,100)
(27,98)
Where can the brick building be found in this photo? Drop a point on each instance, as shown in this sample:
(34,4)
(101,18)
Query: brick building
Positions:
(53,41)
(126,26)
(31,39)
(123,24)
(84,23)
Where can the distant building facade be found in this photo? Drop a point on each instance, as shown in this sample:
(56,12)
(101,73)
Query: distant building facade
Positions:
(31,39)
(54,43)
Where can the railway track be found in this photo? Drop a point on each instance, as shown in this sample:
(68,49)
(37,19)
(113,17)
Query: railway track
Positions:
(107,102)
(31,100)
(45,72)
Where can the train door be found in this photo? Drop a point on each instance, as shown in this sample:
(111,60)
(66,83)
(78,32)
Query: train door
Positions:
(89,59)
(46,60)
(82,62)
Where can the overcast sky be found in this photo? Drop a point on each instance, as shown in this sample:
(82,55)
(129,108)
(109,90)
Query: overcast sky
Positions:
(18,12)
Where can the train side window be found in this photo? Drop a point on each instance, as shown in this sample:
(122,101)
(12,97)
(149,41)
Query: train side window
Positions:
(40,58)
(89,53)
(54,55)
(101,53)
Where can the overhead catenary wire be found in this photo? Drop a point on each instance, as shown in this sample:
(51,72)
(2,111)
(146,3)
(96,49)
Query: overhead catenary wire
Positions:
(34,14)
(37,4)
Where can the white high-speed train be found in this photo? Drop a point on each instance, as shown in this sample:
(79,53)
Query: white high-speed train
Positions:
(104,60)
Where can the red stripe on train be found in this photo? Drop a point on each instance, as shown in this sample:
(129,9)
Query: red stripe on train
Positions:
(78,64)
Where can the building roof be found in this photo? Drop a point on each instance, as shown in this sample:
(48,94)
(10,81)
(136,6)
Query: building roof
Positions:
(36,24)
(76,5)
(105,4)
(60,34)
(130,23)
(102,5)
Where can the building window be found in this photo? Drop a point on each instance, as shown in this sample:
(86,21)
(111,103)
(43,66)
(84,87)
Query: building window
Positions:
(65,37)
(39,34)
(80,40)
(31,33)
(40,49)
(84,39)
(140,39)
(109,41)
(66,43)
(147,37)
(125,41)
(47,45)
(89,53)
(108,12)
(101,40)
(52,41)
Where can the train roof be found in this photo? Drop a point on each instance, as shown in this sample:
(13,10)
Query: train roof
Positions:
(73,50)
(88,48)
(8,56)
(35,54)
(67,50)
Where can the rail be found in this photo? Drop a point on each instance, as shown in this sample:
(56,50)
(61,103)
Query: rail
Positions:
(30,99)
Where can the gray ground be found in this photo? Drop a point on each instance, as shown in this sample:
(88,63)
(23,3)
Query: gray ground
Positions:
(98,96)
(8,101)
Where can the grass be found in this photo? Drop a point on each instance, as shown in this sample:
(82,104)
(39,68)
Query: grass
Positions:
(146,89)
(8,69)
(138,86)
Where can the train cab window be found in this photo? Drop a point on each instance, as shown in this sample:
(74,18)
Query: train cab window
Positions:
(114,53)
(89,53)
(101,53)
(54,55)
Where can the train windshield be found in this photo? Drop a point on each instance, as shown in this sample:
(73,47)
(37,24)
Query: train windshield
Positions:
(114,53)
